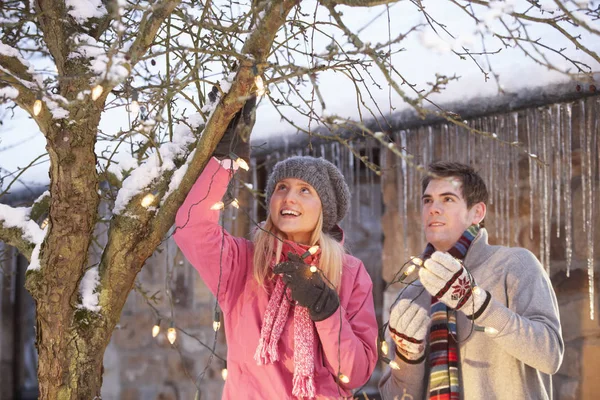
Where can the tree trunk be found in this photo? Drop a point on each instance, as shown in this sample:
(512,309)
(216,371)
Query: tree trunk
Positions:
(70,357)
(69,342)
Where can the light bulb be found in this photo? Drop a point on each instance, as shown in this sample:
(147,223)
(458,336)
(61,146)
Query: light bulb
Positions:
(171,335)
(343,378)
(394,365)
(44,223)
(155,330)
(410,269)
(417,261)
(97,92)
(37,107)
(219,205)
(242,164)
(476,289)
(384,348)
(261,90)
(235,203)
(313,269)
(147,200)
(134,107)
(224,374)
(216,325)
(313,250)
(490,331)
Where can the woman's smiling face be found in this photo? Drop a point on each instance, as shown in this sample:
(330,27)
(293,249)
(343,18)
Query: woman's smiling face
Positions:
(295,208)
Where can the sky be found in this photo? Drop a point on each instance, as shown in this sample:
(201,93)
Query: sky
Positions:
(425,55)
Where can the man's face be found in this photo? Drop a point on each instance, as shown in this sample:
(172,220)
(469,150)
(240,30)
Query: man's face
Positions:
(444,213)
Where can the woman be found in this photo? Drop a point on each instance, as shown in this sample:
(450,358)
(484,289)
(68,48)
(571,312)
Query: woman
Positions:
(292,331)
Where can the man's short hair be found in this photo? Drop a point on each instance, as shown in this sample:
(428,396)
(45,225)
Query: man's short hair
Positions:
(473,188)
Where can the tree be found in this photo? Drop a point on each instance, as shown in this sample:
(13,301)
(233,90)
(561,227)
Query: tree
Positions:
(65,63)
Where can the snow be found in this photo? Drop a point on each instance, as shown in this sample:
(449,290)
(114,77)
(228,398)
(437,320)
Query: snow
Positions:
(87,288)
(225,85)
(11,52)
(18,217)
(8,93)
(55,109)
(82,10)
(151,169)
(112,68)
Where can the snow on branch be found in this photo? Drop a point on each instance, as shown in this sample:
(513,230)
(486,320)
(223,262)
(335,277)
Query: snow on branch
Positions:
(83,10)
(17,229)
(157,165)
(88,290)
(113,68)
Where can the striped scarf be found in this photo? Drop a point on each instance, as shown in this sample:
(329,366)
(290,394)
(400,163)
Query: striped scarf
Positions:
(443,350)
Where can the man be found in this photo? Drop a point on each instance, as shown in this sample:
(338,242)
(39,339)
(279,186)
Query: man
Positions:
(480,321)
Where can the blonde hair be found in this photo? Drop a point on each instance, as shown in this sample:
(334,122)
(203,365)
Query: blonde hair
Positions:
(266,246)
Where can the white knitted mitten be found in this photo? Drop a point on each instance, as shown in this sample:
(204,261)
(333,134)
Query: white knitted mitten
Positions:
(408,327)
(445,278)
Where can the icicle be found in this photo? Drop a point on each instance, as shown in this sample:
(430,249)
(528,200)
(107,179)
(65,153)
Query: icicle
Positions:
(371,176)
(557,161)
(568,162)
(405,185)
(357,181)
(530,142)
(502,130)
(583,157)
(547,189)
(515,163)
(590,130)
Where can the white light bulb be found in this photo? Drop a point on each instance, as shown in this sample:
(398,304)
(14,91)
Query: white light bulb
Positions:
(261,90)
(394,365)
(313,250)
(134,107)
(171,335)
(385,348)
(224,374)
(155,330)
(313,269)
(147,200)
(490,330)
(235,203)
(97,92)
(219,205)
(410,269)
(417,261)
(242,163)
(344,378)
(37,107)
(216,325)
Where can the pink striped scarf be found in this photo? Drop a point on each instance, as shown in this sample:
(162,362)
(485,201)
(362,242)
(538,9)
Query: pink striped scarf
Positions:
(274,321)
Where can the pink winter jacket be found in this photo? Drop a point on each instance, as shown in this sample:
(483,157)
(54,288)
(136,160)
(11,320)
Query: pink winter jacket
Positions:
(349,335)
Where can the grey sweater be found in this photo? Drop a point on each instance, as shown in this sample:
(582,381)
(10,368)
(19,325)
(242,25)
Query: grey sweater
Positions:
(515,363)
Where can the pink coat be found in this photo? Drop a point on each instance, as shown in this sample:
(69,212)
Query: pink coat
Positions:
(350,336)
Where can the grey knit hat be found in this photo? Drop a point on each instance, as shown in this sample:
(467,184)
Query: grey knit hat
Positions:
(327,180)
